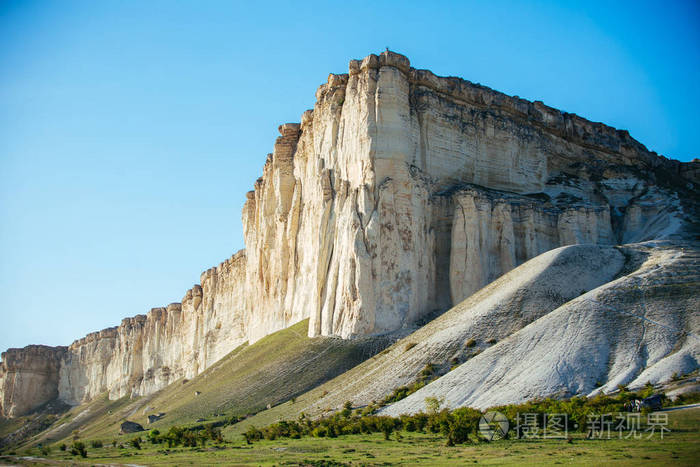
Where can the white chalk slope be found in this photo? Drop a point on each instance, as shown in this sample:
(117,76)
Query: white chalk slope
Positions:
(642,326)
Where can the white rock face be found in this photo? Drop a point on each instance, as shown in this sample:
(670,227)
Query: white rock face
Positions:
(362,220)
(28,378)
(400,194)
(493,233)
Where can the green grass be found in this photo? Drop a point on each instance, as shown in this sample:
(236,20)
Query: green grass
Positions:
(679,447)
(8,425)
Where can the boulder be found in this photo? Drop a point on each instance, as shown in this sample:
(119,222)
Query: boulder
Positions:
(155,417)
(130,427)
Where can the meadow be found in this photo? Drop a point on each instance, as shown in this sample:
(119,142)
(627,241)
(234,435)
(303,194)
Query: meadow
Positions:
(680,446)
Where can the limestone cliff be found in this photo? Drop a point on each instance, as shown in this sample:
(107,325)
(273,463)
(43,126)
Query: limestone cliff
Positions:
(366,229)
(28,378)
(400,194)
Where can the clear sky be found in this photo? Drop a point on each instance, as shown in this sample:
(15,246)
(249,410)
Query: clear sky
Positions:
(130,131)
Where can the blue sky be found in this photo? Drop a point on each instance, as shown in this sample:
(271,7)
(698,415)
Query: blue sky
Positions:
(130,131)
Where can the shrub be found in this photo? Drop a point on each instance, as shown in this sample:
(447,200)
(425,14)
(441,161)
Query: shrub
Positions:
(347,410)
(491,341)
(62,447)
(78,447)
(136,443)
(457,426)
(96,443)
(470,343)
(463,422)
(648,390)
(45,450)
(153,436)
(432,404)
(252,434)
(387,429)
(687,398)
(428,370)
(409,346)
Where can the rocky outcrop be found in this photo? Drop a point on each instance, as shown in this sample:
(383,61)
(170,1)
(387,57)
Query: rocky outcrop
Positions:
(398,195)
(130,427)
(28,378)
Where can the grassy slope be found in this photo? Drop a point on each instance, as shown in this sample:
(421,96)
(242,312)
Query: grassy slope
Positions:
(274,369)
(532,285)
(679,447)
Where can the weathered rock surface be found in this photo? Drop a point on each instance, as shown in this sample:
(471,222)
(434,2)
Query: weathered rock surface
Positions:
(642,327)
(367,228)
(28,378)
(130,427)
(400,194)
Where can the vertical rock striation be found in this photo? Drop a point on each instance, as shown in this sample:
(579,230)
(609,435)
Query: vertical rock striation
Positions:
(398,195)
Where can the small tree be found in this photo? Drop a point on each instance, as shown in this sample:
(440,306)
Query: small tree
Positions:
(153,436)
(347,410)
(432,404)
(136,443)
(78,448)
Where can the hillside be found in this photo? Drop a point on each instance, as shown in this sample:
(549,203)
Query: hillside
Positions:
(274,369)
(508,361)
(642,327)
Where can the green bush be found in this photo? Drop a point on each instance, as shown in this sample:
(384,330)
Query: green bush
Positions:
(78,447)
(428,370)
(96,443)
(347,410)
(687,398)
(457,426)
(252,434)
(136,443)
